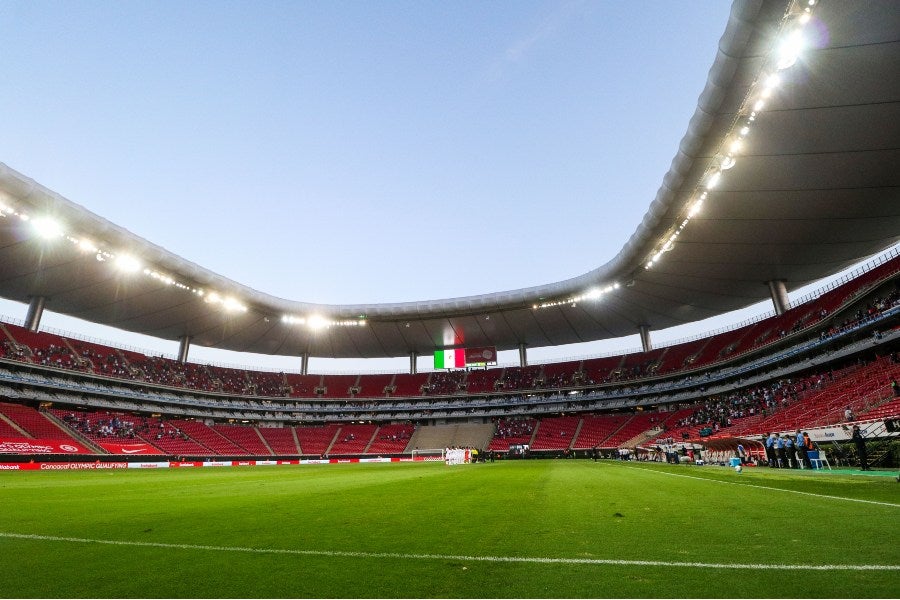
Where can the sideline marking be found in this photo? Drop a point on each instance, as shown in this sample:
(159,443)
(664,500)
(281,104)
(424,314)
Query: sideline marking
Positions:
(499,559)
(764,487)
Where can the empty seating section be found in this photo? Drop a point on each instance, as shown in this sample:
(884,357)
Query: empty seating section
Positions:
(316,439)
(409,385)
(668,419)
(600,370)
(678,357)
(521,378)
(391,439)
(555,433)
(353,439)
(595,429)
(211,438)
(245,437)
(719,347)
(374,386)
(638,424)
(7,430)
(640,364)
(33,422)
(303,386)
(446,382)
(559,375)
(754,335)
(512,432)
(482,380)
(281,440)
(338,386)
(890,409)
(172,440)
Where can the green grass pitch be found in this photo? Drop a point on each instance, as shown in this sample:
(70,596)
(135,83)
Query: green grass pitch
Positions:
(543,528)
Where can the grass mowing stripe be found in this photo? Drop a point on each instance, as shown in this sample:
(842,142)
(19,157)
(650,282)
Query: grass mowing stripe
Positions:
(498,559)
(765,487)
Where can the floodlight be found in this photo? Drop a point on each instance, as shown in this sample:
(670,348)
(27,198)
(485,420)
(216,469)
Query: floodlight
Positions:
(316,322)
(127,263)
(695,208)
(790,49)
(47,227)
(86,245)
(233,305)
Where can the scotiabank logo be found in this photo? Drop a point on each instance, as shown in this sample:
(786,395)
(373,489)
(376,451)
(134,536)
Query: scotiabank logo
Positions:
(9,467)
(68,448)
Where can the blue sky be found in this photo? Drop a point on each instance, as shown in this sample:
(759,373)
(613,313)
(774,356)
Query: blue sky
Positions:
(351,152)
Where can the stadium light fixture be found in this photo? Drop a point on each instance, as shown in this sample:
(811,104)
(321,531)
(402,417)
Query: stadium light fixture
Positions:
(47,227)
(86,245)
(790,49)
(127,263)
(781,56)
(317,322)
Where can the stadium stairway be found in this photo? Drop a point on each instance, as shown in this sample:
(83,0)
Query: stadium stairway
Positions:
(8,427)
(577,432)
(371,440)
(642,438)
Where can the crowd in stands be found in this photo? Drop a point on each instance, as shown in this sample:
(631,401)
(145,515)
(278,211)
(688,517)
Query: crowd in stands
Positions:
(98,427)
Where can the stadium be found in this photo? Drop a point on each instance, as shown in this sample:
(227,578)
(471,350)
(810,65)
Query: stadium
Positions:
(758,460)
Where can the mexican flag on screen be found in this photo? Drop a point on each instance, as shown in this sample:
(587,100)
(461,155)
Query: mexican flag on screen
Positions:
(450,359)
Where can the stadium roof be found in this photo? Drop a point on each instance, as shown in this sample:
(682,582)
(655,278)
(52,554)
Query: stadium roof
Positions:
(797,175)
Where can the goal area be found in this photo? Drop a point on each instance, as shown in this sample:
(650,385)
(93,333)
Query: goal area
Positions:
(435,454)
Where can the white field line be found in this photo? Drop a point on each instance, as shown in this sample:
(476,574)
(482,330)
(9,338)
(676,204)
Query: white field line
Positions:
(764,487)
(488,559)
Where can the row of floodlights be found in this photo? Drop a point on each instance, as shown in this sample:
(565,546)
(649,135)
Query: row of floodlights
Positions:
(51,229)
(788,51)
(591,294)
(316,322)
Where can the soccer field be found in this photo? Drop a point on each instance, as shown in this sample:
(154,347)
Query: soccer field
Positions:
(543,528)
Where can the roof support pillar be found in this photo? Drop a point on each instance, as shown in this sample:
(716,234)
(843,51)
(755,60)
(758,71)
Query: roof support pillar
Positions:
(184,346)
(304,363)
(35,312)
(413,357)
(779,295)
(523,355)
(645,338)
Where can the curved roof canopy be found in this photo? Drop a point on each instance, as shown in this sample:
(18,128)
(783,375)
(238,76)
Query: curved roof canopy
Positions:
(797,174)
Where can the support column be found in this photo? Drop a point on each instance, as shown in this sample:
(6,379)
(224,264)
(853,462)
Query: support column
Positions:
(645,338)
(523,356)
(184,346)
(35,312)
(304,363)
(413,357)
(779,295)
